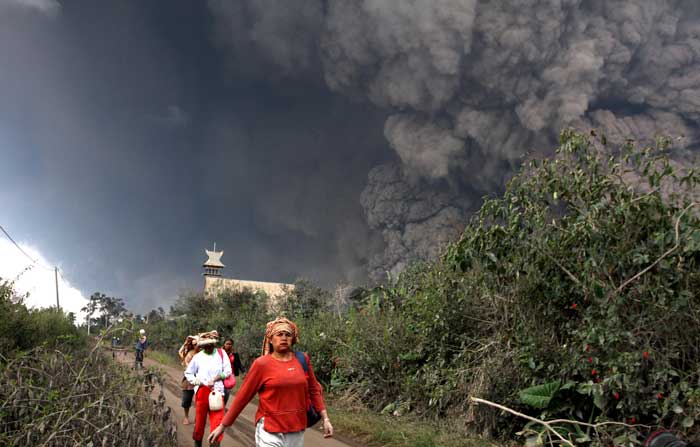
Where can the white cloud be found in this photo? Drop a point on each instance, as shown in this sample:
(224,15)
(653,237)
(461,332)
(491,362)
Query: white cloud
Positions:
(38,281)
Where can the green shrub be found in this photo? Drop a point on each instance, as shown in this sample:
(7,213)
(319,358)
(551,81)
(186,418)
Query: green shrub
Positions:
(584,273)
(597,261)
(23,329)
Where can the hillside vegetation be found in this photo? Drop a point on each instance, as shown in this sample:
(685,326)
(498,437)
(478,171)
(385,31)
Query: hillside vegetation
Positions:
(573,296)
(58,390)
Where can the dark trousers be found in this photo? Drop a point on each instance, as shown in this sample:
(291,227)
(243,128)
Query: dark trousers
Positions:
(138,361)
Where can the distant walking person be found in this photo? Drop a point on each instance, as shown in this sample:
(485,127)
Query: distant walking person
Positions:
(186,353)
(206,371)
(114,346)
(285,390)
(141,346)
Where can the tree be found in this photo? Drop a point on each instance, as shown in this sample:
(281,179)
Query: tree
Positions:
(304,300)
(112,308)
(93,306)
(155,315)
(106,307)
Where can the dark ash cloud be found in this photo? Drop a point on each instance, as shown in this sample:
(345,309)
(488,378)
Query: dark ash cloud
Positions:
(472,86)
(307,138)
(126,150)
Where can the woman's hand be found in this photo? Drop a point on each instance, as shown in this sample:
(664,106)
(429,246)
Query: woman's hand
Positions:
(327,428)
(215,434)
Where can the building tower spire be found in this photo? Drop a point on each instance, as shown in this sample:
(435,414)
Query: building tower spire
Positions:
(213,265)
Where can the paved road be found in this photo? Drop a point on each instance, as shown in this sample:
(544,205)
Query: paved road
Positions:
(241,433)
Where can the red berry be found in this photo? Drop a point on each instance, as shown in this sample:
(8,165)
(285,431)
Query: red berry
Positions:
(587,348)
(593,372)
(573,306)
(590,359)
(633,420)
(660,396)
(645,355)
(616,395)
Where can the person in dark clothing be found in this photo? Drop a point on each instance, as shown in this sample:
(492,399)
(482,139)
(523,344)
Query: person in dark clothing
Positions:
(234,356)
(141,346)
(114,346)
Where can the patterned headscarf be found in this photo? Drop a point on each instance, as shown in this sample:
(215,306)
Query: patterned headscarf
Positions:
(187,346)
(276,325)
(208,338)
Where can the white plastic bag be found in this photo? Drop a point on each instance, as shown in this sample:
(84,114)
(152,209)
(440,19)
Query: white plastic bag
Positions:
(216,401)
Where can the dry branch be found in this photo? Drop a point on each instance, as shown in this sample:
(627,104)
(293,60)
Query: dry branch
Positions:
(545,424)
(101,403)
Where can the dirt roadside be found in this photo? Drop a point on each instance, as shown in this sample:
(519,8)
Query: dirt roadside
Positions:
(241,433)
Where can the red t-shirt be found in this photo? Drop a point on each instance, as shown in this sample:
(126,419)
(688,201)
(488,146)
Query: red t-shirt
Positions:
(282,388)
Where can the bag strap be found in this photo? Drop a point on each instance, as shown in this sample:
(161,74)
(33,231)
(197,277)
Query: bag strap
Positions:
(302,359)
(301,356)
(221,354)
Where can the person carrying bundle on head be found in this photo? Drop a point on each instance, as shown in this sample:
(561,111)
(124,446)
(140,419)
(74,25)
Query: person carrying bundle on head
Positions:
(186,352)
(207,371)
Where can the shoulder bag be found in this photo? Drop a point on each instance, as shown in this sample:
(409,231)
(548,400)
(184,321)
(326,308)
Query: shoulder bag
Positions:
(230,381)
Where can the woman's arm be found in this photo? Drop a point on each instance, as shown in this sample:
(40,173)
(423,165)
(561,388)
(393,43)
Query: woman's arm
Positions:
(316,392)
(237,365)
(251,385)
(227,366)
(315,388)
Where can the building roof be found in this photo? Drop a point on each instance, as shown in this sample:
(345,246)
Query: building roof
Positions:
(214,259)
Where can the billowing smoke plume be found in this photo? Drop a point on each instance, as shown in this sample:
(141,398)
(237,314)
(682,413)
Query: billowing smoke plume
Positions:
(471,86)
(416,222)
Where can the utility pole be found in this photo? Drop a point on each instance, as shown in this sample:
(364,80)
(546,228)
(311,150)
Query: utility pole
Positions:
(58,304)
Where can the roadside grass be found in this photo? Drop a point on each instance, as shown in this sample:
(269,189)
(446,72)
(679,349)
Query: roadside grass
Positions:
(391,431)
(163,358)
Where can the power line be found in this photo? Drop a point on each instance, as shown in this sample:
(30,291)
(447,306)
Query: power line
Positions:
(34,261)
(25,270)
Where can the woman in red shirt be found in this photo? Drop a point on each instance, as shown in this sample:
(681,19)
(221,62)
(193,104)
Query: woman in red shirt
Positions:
(284,391)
